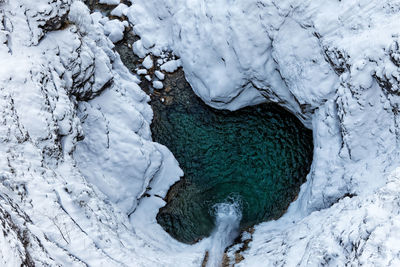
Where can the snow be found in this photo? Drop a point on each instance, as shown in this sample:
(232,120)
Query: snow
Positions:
(141,71)
(333,64)
(81,180)
(120,11)
(171,66)
(147,62)
(159,75)
(157,85)
(138,49)
(114,29)
(75,134)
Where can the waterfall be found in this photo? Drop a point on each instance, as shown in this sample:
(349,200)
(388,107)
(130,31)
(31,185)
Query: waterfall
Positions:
(228,216)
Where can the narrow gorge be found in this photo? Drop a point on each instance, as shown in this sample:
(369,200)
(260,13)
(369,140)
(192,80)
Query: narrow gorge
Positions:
(256,157)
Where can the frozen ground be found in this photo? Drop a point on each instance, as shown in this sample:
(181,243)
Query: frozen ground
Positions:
(77,157)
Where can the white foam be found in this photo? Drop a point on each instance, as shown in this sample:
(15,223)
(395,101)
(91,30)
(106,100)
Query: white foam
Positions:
(228,216)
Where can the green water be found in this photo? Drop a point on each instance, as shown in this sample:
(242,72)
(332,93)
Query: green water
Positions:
(258,155)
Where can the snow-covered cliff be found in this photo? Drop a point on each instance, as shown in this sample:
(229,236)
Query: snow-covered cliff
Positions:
(62,85)
(76,151)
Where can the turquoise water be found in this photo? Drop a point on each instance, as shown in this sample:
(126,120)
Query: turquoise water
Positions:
(258,156)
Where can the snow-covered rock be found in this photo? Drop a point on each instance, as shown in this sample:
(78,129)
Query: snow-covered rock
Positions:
(120,11)
(334,64)
(158,85)
(114,29)
(141,71)
(159,75)
(76,151)
(171,66)
(356,231)
(138,49)
(147,62)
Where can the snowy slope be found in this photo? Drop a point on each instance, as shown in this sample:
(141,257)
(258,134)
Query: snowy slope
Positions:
(356,231)
(76,151)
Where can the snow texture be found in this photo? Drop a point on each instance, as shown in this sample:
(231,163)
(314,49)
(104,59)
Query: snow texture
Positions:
(114,29)
(171,66)
(76,155)
(81,181)
(147,62)
(158,85)
(120,10)
(335,64)
(159,75)
(141,71)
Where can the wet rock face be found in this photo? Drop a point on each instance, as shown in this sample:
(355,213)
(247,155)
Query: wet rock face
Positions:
(258,156)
